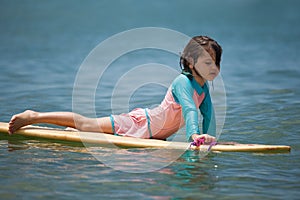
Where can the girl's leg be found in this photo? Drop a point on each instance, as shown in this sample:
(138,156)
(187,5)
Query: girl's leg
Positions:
(67,119)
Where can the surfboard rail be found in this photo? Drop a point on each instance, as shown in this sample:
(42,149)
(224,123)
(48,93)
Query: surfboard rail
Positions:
(130,142)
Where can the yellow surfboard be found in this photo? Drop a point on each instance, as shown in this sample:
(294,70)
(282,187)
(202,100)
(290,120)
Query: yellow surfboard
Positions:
(129,142)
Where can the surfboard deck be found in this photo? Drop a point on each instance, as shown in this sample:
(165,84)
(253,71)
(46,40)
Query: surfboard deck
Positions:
(129,142)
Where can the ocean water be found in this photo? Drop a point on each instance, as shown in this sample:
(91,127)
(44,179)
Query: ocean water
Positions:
(44,43)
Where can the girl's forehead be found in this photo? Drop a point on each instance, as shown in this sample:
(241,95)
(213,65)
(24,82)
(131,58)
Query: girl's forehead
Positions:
(207,55)
(211,54)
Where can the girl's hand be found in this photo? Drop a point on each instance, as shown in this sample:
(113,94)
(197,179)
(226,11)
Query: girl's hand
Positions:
(208,138)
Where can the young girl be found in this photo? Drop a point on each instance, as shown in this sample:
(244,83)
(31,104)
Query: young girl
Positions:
(200,62)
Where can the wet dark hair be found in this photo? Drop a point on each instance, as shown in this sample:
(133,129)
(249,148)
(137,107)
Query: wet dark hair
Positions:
(195,48)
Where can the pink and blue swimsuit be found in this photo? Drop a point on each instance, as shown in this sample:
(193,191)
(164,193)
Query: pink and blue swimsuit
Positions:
(180,106)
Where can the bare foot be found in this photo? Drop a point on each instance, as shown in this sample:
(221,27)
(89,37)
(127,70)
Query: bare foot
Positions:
(20,120)
(71,129)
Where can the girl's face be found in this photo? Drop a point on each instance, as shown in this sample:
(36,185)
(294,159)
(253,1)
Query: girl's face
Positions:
(206,67)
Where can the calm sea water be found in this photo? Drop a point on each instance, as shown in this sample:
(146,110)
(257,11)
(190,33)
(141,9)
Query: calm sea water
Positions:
(43,43)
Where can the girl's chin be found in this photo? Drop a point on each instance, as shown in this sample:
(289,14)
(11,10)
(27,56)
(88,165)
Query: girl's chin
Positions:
(211,78)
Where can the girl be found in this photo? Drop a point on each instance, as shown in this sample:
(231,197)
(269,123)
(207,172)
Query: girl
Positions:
(200,62)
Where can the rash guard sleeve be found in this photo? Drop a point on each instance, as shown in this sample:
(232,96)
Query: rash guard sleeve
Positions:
(183,92)
(208,113)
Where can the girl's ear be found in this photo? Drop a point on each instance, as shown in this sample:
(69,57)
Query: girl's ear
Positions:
(191,62)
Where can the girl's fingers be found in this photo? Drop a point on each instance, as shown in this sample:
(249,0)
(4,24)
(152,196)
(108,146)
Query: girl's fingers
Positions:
(209,139)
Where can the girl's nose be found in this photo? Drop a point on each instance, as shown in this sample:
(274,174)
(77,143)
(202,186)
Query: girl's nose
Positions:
(215,67)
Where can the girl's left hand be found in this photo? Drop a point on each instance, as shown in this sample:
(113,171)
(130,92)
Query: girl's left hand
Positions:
(208,138)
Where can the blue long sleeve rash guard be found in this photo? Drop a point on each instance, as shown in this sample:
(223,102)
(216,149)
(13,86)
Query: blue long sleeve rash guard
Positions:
(183,89)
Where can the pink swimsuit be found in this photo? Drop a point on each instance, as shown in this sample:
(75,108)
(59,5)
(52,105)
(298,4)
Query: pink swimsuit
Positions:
(158,123)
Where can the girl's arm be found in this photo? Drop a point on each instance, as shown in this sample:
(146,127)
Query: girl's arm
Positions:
(209,122)
(183,91)
(208,113)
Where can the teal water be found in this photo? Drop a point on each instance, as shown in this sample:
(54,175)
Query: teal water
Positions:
(43,43)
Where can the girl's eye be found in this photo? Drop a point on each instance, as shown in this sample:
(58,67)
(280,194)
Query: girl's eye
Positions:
(208,63)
